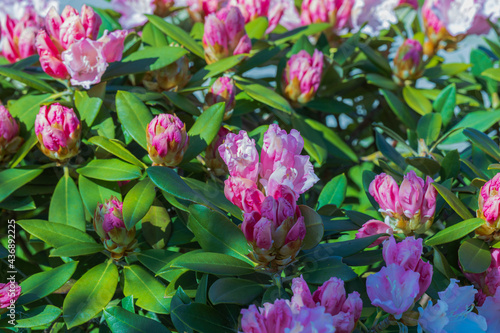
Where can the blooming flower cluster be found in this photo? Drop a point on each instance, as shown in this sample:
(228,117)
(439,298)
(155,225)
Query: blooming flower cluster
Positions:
(397,286)
(489,209)
(68,47)
(252,9)
(18,36)
(408,208)
(452,312)
(328,309)
(133,11)
(267,192)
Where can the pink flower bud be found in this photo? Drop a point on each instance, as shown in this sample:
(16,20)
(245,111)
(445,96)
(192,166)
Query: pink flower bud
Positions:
(9,293)
(278,316)
(429,203)
(241,156)
(199,9)
(385,191)
(10,141)
(252,9)
(491,188)
(353,305)
(335,12)
(53,24)
(213,160)
(85,62)
(425,271)
(393,288)
(113,45)
(243,193)
(302,76)
(331,295)
(411,194)
(405,254)
(58,131)
(408,60)
(301,294)
(50,57)
(411,3)
(489,209)
(109,225)
(225,35)
(252,321)
(223,90)
(374,227)
(167,140)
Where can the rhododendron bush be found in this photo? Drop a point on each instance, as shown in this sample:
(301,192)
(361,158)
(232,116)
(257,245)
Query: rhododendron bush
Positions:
(250,166)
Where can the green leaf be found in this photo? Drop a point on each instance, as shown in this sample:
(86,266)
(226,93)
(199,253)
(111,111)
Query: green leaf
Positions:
(110,170)
(223,65)
(376,58)
(66,206)
(153,36)
(483,142)
(156,227)
(453,201)
(96,191)
(213,263)
(90,294)
(204,130)
(177,34)
(88,107)
(445,103)
(137,202)
(27,79)
(479,120)
(202,318)
(234,291)
(256,28)
(145,60)
(492,73)
(156,259)
(425,164)
(24,150)
(266,96)
(12,179)
(55,234)
(416,100)
(120,320)
(381,81)
(307,30)
(455,231)
(334,192)
(146,289)
(429,127)
(445,70)
(116,148)
(39,316)
(76,249)
(400,109)
(323,269)
(389,151)
(314,227)
(206,225)
(134,116)
(42,284)
(474,255)
(182,102)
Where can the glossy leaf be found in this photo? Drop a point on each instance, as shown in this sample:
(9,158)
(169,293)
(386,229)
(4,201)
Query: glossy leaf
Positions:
(90,294)
(95,191)
(120,320)
(474,255)
(27,79)
(111,170)
(417,101)
(39,316)
(12,179)
(116,148)
(55,234)
(134,116)
(234,291)
(429,127)
(453,201)
(66,206)
(76,249)
(455,231)
(334,192)
(314,227)
(266,96)
(137,202)
(213,263)
(202,318)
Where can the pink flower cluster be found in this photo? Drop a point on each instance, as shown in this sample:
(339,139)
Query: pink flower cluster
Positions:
(489,209)
(488,282)
(408,208)
(58,131)
(328,309)
(133,11)
(452,312)
(167,140)
(335,12)
(225,35)
(68,47)
(302,76)
(267,191)
(18,36)
(9,293)
(397,286)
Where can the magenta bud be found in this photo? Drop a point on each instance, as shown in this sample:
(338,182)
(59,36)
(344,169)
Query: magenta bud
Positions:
(408,60)
(10,141)
(302,76)
(167,140)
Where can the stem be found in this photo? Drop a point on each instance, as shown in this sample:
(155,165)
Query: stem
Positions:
(277,280)
(381,326)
